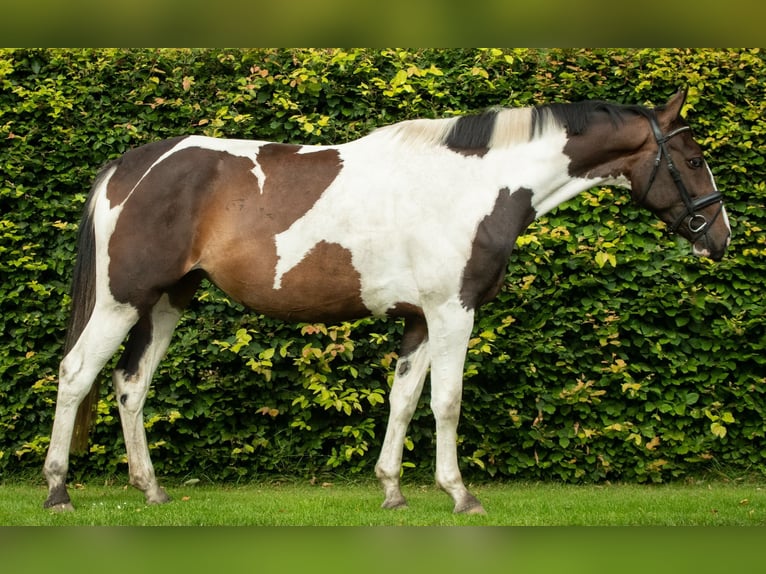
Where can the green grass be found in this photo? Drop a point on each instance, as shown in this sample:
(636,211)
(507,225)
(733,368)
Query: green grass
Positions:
(383,550)
(352,504)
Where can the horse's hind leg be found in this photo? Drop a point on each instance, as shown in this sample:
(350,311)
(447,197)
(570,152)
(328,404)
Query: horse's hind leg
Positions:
(99,340)
(411,369)
(146,346)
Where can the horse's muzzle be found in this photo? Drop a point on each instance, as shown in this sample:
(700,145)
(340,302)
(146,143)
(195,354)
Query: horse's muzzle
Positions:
(703,248)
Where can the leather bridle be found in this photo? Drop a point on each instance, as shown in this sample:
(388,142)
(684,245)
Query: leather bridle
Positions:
(695,222)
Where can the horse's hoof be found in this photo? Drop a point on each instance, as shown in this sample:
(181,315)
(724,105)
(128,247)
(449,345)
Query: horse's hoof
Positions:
(158,497)
(469,505)
(394,504)
(60,507)
(479,509)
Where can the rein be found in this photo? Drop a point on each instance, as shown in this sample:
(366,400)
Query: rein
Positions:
(697,223)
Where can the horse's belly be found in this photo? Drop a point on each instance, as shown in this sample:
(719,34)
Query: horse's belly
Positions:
(324,286)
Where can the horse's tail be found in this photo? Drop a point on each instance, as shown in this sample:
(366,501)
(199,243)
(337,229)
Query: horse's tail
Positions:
(83,294)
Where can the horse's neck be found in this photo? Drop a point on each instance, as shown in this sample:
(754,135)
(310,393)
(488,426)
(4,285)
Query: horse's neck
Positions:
(545,200)
(576,166)
(544,169)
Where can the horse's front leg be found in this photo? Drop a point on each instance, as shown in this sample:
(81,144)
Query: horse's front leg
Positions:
(411,369)
(450,329)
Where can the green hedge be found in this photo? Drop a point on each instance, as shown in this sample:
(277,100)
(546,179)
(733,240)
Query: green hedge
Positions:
(611,353)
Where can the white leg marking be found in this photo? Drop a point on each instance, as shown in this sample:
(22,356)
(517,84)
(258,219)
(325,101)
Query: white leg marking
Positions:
(403,398)
(131,392)
(449,327)
(100,339)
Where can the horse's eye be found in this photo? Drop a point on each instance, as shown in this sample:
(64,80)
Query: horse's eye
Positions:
(695,162)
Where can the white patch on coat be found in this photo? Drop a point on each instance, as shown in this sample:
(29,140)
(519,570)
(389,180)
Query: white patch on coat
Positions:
(723,208)
(408,215)
(104,223)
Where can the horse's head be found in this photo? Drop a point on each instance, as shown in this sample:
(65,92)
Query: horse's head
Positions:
(673,180)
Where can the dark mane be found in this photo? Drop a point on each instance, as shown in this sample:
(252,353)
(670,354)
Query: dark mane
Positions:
(473,131)
(576,117)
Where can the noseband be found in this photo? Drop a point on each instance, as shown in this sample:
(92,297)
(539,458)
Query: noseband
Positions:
(697,223)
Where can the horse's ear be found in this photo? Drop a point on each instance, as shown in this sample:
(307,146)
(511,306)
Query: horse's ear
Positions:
(672,110)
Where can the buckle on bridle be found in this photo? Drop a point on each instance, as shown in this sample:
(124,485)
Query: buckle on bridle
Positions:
(697,223)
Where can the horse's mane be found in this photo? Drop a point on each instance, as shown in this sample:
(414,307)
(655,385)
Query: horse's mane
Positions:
(503,127)
(576,117)
(491,128)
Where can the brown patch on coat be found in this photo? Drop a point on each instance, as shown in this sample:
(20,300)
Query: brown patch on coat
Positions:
(324,286)
(294,181)
(603,151)
(415,326)
(132,166)
(493,243)
(405,310)
(415,333)
(204,211)
(152,242)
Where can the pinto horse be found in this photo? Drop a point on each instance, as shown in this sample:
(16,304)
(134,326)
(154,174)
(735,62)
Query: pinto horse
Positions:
(416,220)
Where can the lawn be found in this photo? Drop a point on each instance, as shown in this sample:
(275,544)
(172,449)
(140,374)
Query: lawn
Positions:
(386,550)
(702,503)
